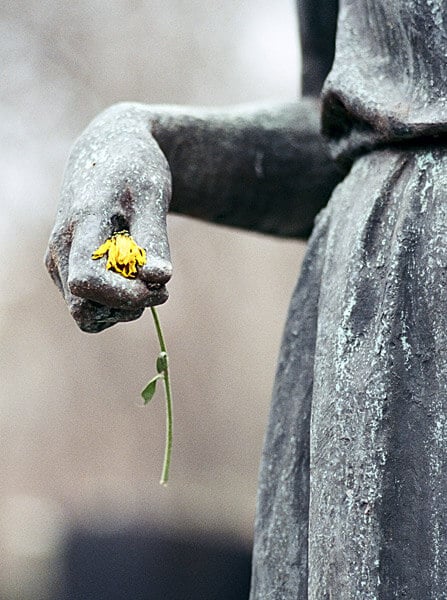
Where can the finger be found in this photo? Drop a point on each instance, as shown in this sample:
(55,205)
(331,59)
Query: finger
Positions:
(92,317)
(53,270)
(149,232)
(89,316)
(89,279)
(58,249)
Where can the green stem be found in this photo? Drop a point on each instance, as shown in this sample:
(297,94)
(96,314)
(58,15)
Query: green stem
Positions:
(161,338)
(169,419)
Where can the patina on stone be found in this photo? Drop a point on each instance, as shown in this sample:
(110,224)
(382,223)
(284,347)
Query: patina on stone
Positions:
(352,493)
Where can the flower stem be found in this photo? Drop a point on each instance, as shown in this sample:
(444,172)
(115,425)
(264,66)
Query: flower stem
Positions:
(169,416)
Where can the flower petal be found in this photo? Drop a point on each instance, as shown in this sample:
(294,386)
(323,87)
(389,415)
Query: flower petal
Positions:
(124,255)
(103,249)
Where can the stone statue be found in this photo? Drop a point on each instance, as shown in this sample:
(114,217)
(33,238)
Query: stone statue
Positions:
(353,485)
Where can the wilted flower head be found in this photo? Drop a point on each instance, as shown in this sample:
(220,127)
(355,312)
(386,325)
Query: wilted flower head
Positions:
(124,255)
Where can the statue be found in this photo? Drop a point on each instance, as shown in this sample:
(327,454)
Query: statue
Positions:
(353,485)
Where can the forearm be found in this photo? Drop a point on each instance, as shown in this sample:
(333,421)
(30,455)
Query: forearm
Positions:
(260,168)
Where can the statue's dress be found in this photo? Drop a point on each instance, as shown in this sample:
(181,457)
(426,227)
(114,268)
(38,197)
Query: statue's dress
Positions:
(353,483)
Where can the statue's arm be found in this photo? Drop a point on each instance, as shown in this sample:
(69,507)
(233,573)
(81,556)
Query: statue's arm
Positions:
(264,169)
(260,168)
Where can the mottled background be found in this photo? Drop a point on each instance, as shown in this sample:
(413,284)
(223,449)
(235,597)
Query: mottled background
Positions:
(80,458)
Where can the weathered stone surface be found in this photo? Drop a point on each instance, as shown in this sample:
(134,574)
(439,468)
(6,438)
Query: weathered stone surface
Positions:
(364,361)
(378,512)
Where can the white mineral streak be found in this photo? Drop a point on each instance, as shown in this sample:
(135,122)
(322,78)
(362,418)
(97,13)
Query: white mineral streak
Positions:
(436,444)
(424,162)
(345,491)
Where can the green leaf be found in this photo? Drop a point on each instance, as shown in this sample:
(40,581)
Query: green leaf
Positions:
(162,362)
(149,390)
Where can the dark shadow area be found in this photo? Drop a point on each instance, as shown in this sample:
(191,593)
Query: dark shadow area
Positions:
(136,565)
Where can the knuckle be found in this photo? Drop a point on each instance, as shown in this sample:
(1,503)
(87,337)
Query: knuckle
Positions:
(78,286)
(157,272)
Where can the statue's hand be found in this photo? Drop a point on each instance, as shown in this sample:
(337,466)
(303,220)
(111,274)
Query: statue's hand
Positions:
(116,178)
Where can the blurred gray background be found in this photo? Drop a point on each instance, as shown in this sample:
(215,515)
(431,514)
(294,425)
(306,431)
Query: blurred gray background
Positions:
(77,449)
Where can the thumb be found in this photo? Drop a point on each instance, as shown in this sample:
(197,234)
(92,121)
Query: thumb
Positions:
(150,233)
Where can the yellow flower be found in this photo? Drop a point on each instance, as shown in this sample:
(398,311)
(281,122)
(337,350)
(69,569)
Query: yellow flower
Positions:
(124,255)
